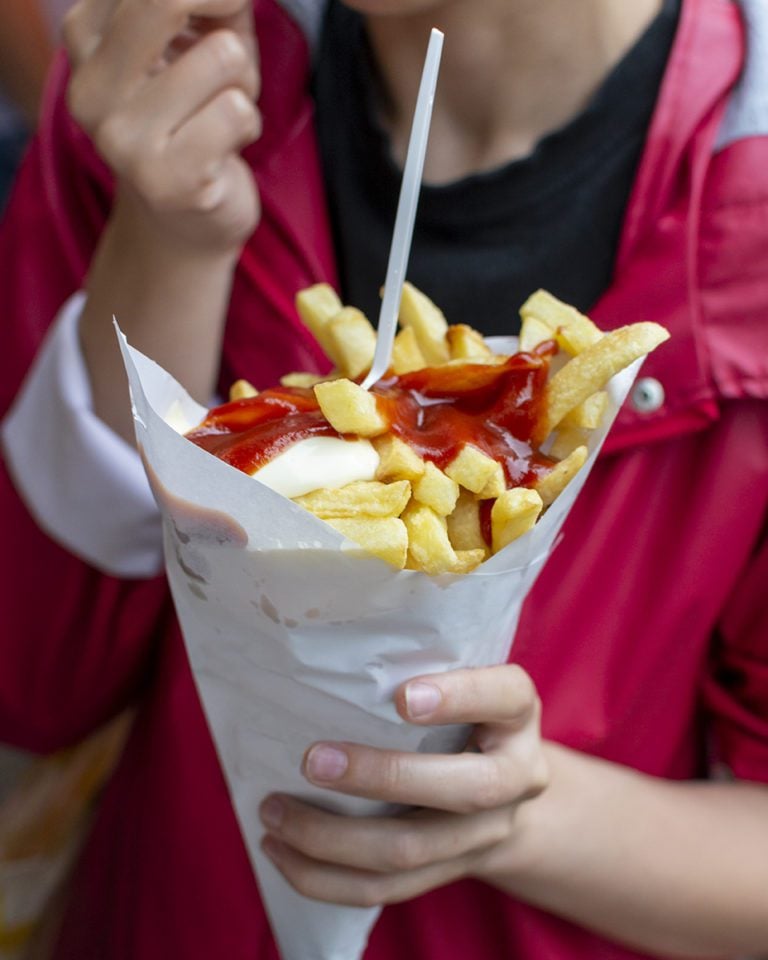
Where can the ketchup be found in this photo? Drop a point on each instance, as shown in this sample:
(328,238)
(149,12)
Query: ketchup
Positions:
(436,411)
(249,433)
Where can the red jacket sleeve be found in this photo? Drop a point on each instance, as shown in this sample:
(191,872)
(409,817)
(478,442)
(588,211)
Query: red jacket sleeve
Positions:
(75,644)
(736,689)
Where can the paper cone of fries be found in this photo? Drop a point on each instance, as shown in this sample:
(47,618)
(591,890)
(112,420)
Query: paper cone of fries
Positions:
(295,635)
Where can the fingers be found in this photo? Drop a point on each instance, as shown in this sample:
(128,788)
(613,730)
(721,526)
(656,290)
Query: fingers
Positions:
(382,844)
(161,166)
(118,58)
(463,783)
(332,883)
(202,87)
(217,62)
(502,694)
(223,127)
(509,766)
(468,801)
(167,96)
(83,26)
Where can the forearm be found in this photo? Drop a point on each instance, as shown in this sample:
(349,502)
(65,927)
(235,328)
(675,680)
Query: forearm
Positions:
(171,303)
(675,868)
(172,131)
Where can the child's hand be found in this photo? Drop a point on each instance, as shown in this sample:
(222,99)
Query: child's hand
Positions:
(467,801)
(167,92)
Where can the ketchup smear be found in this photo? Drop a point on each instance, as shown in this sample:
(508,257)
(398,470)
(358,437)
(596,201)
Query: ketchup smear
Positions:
(436,411)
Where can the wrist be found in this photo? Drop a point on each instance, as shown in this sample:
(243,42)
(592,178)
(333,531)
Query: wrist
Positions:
(541,828)
(171,301)
(137,231)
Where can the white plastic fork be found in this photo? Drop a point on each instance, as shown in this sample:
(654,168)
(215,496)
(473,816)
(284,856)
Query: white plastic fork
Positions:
(406,212)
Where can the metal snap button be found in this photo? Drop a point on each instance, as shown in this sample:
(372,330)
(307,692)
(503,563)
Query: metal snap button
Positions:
(647,395)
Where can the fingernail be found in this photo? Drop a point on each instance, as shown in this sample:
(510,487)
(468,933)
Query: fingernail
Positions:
(422,698)
(326,763)
(272,813)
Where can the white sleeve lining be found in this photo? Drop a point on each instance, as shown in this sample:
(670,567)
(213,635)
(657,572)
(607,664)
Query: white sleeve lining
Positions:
(83,484)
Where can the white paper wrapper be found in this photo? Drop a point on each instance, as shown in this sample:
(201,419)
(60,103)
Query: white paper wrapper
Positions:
(294,635)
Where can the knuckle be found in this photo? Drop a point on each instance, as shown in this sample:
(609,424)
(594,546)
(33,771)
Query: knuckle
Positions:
(239,110)
(147,178)
(228,53)
(490,789)
(113,140)
(538,780)
(521,691)
(390,772)
(407,851)
(521,682)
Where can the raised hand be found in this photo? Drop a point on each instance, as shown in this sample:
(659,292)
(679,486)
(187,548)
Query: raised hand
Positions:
(167,91)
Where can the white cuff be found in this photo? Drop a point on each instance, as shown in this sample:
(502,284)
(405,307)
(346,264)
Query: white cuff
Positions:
(82,483)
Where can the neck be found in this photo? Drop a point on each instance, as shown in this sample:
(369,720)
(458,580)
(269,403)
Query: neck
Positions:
(512,71)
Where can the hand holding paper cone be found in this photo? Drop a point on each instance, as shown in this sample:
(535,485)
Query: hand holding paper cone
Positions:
(466,802)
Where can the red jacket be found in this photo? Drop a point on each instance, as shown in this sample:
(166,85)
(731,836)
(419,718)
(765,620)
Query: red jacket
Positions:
(647,633)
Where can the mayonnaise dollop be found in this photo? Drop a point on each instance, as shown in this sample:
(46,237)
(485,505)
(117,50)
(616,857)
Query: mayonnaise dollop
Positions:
(319,462)
(311,464)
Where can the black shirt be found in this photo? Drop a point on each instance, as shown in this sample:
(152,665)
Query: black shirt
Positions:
(482,244)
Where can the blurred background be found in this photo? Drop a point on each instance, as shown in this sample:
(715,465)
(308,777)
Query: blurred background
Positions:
(29,31)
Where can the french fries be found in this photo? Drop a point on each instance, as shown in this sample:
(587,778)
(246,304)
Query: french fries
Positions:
(428,324)
(590,370)
(241,390)
(513,514)
(359,499)
(444,504)
(350,409)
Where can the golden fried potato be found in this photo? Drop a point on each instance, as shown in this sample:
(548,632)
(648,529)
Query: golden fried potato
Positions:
(495,485)
(352,340)
(362,498)
(429,548)
(589,413)
(467,560)
(573,331)
(406,353)
(591,370)
(385,538)
(464,529)
(397,461)
(472,469)
(533,332)
(436,490)
(350,409)
(242,390)
(317,305)
(513,514)
(566,439)
(414,514)
(306,380)
(492,360)
(552,485)
(428,323)
(465,343)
